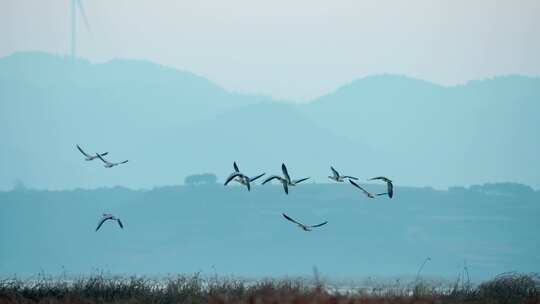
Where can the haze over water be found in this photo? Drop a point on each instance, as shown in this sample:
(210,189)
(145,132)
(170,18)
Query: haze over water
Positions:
(442,97)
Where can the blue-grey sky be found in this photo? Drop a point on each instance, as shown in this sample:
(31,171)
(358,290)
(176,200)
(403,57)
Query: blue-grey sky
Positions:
(291,49)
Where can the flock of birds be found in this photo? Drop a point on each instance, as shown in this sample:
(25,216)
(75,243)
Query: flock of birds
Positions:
(287,182)
(246,181)
(107,164)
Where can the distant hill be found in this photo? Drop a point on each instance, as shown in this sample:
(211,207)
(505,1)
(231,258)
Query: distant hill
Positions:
(50,103)
(481,131)
(172,123)
(262,136)
(141,90)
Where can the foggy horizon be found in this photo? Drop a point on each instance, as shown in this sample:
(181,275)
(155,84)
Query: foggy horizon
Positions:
(294,51)
(311,99)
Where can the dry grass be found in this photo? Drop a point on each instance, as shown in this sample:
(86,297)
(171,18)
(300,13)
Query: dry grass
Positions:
(506,288)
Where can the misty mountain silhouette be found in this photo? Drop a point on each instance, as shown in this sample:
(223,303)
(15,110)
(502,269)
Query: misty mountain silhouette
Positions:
(172,123)
(483,130)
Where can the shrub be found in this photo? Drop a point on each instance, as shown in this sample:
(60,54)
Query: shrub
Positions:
(511,288)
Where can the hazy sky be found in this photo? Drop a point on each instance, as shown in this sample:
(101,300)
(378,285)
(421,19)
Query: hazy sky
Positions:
(291,49)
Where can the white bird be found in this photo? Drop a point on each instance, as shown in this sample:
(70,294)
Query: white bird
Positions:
(368,194)
(238,175)
(281,179)
(109,164)
(241,178)
(389,185)
(285,180)
(106,217)
(302,226)
(339,178)
(89,157)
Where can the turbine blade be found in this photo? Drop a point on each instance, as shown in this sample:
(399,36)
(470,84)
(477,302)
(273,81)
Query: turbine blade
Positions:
(83,14)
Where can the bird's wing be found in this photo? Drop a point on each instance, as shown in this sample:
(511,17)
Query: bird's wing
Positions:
(101,222)
(285,172)
(235,167)
(300,180)
(120,223)
(247,183)
(354,184)
(319,225)
(290,219)
(231,177)
(256,177)
(334,172)
(365,191)
(286,188)
(84,153)
(102,159)
(350,177)
(271,178)
(122,162)
(390,188)
(81,8)
(103,154)
(383,178)
(357,186)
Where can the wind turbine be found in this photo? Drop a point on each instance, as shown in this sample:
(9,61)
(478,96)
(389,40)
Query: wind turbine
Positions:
(74,5)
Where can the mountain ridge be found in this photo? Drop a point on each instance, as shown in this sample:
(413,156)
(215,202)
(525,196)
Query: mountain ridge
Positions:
(25,56)
(418,132)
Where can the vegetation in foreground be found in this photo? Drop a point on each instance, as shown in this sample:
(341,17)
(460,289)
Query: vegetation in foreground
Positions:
(505,288)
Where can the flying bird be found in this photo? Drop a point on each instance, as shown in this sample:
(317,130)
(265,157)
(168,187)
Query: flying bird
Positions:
(339,178)
(389,185)
(368,194)
(241,178)
(109,164)
(106,217)
(302,226)
(285,180)
(89,157)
